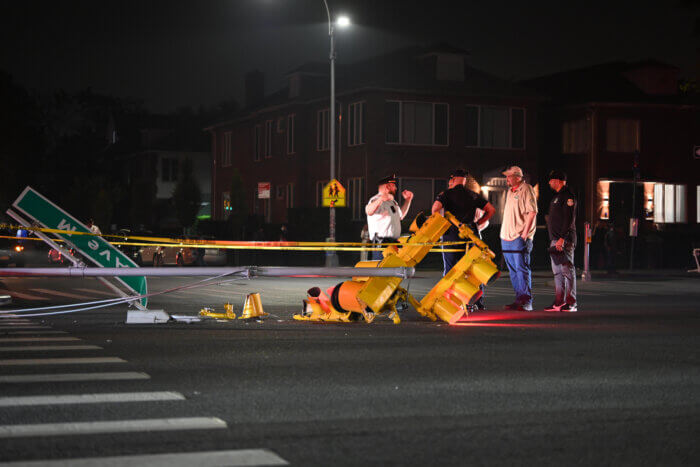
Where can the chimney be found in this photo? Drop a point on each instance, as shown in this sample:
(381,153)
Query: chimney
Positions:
(254,88)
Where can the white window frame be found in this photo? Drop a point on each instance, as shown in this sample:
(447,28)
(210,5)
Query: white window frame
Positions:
(226,159)
(356,197)
(356,138)
(268,138)
(433,144)
(323,130)
(291,122)
(510,127)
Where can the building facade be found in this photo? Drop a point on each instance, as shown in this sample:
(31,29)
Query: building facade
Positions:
(418,113)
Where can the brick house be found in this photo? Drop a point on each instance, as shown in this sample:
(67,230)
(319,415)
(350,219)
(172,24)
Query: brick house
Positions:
(416,112)
(605,120)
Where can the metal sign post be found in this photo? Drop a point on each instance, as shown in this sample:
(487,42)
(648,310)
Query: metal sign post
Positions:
(35,206)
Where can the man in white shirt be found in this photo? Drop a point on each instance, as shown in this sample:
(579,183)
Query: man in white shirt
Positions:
(384,214)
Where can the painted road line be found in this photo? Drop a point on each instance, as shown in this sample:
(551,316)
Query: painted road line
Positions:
(24,401)
(27,296)
(61,294)
(98,292)
(39,339)
(48,331)
(232,458)
(36,348)
(60,361)
(116,426)
(61,377)
(17,333)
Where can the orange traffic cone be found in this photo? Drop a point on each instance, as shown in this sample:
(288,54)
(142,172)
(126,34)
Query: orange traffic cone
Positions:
(252,308)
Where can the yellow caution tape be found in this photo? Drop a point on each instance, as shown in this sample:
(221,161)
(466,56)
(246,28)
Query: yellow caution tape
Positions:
(167,242)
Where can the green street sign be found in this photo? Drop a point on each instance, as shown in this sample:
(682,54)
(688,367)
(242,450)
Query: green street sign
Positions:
(37,207)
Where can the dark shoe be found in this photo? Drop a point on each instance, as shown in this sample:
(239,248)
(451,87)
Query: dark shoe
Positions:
(569,308)
(515,306)
(479,305)
(554,307)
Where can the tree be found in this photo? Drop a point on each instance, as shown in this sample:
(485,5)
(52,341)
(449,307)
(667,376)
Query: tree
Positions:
(187,196)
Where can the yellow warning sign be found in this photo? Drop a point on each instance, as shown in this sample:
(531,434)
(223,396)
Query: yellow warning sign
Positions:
(334,195)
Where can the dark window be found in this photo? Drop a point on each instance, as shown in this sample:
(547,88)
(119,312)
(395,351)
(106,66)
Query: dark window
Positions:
(441,124)
(518,131)
(391,110)
(472,130)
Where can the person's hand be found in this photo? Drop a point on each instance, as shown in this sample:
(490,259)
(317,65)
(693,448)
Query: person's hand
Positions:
(559,245)
(386,197)
(407,195)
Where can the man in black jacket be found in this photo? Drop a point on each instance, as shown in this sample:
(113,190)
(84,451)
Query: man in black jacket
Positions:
(561,224)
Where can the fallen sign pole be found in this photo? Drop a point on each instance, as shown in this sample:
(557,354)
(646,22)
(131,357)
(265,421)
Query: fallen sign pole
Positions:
(247,271)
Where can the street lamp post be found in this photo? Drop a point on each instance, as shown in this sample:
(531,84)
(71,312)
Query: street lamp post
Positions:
(342,21)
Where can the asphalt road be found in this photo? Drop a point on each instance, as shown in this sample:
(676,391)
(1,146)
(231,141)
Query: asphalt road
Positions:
(616,383)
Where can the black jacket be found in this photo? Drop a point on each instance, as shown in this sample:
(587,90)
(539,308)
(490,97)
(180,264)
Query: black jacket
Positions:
(561,221)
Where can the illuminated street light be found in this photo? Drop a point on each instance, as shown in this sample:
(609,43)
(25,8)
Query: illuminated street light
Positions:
(342,21)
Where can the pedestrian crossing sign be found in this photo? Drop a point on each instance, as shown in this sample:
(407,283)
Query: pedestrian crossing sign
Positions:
(333,195)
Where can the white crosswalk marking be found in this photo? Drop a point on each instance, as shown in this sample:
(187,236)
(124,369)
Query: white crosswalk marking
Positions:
(231,458)
(60,361)
(115,426)
(37,348)
(62,377)
(90,398)
(61,294)
(17,333)
(39,339)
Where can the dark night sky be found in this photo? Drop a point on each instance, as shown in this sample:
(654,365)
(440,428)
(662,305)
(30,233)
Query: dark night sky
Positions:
(175,52)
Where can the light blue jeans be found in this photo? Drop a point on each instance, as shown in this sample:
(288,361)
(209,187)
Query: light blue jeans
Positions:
(517,256)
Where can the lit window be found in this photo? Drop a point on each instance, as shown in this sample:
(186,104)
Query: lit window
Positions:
(670,203)
(575,137)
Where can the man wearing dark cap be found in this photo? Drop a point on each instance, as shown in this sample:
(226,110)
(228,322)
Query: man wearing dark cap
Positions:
(461,203)
(561,224)
(384,214)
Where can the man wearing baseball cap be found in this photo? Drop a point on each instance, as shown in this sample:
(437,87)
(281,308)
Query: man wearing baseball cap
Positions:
(463,204)
(384,214)
(517,233)
(561,225)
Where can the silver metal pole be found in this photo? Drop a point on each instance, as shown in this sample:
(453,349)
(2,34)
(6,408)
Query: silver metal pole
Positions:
(332,130)
(246,271)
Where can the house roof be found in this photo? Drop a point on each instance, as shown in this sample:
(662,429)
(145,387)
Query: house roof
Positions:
(409,69)
(606,82)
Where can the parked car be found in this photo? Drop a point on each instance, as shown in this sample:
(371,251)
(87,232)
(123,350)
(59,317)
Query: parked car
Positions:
(11,252)
(181,255)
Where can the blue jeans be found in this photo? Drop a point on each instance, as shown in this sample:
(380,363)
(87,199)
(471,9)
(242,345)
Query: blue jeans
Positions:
(517,256)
